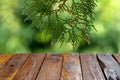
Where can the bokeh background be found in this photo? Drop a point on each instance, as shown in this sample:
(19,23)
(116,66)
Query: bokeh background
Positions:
(16,36)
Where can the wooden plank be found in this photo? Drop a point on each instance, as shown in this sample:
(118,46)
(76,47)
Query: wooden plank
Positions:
(12,67)
(4,59)
(71,69)
(91,68)
(51,67)
(110,67)
(117,57)
(30,69)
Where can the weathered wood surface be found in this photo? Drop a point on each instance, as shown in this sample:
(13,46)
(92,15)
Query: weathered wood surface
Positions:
(71,69)
(110,67)
(51,68)
(30,69)
(4,59)
(117,57)
(12,67)
(91,68)
(60,67)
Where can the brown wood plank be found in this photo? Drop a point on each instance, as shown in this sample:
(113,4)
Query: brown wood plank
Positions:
(117,57)
(91,68)
(30,69)
(12,67)
(110,67)
(51,67)
(71,69)
(4,59)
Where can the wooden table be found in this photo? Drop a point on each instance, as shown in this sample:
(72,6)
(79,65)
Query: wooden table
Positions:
(60,67)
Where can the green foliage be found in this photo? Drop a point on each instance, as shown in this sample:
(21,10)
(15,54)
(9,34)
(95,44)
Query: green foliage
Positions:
(64,20)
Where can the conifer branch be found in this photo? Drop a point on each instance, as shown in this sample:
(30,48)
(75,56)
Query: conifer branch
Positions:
(61,18)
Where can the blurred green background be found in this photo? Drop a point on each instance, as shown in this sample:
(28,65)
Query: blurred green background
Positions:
(16,36)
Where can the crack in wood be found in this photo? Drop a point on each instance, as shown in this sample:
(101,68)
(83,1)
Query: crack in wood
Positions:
(103,66)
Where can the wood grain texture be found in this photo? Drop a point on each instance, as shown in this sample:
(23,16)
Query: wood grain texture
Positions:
(110,67)
(59,67)
(117,57)
(51,67)
(31,67)
(90,67)
(12,67)
(4,59)
(71,69)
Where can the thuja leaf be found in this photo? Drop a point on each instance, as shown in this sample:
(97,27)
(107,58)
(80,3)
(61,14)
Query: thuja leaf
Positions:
(59,18)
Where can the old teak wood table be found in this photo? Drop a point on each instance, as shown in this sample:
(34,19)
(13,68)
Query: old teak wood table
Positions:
(59,67)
